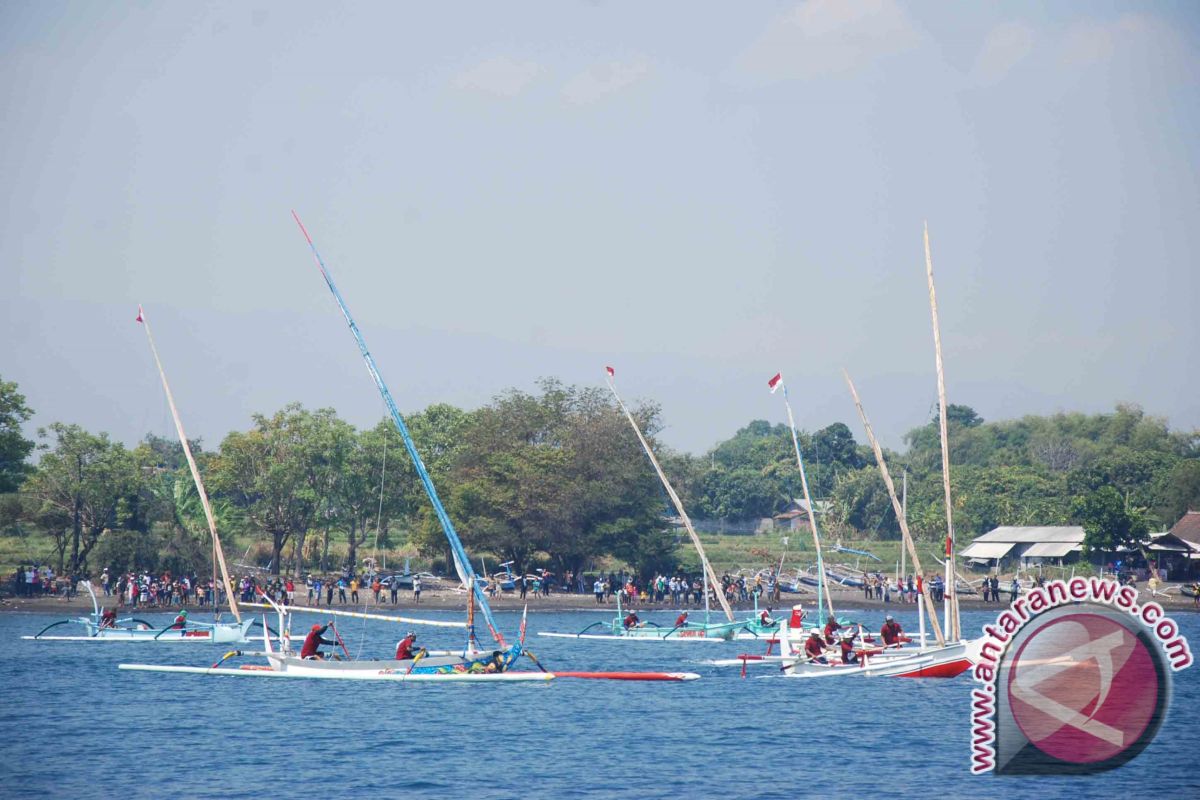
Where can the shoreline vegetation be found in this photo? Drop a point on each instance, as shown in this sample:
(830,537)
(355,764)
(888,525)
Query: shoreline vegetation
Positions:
(555,480)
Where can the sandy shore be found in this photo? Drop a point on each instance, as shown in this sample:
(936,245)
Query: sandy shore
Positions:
(443,599)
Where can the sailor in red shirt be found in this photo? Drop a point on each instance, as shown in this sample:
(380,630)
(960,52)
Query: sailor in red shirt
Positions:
(681,620)
(631,620)
(180,621)
(814,648)
(314,641)
(109,618)
(830,628)
(404,649)
(765,619)
(848,654)
(891,631)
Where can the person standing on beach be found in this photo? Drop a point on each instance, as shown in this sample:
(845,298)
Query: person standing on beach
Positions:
(1014,589)
(354,590)
(416,589)
(598,589)
(341,586)
(329,593)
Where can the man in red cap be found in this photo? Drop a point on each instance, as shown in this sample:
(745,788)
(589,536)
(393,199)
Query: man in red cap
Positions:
(313,641)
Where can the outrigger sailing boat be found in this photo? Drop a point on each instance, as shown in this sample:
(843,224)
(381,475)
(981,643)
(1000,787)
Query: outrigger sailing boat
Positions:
(111,629)
(952,655)
(467,666)
(689,631)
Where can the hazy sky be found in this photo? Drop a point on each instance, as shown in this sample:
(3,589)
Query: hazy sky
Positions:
(699,194)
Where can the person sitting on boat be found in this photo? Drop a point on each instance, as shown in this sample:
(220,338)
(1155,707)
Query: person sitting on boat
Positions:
(108,619)
(814,648)
(891,631)
(849,656)
(314,640)
(831,627)
(180,621)
(404,649)
(681,620)
(765,619)
(495,663)
(632,621)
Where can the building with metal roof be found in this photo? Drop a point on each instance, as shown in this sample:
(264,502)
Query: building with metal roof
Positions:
(1029,545)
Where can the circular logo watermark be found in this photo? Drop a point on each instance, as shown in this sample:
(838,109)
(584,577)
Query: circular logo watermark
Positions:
(1076,678)
(1086,688)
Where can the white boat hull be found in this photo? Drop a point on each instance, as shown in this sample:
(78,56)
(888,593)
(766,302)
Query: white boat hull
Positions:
(359,675)
(219,633)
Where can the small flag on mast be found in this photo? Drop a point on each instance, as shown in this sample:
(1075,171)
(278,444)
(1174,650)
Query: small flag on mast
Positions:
(612,373)
(775,382)
(139,316)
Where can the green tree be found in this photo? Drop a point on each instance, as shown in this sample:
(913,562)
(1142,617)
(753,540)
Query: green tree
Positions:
(266,473)
(14,447)
(1107,524)
(1179,491)
(84,486)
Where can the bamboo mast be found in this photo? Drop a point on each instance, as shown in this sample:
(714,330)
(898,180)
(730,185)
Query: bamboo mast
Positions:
(823,580)
(891,487)
(187,451)
(952,620)
(904,511)
(687,522)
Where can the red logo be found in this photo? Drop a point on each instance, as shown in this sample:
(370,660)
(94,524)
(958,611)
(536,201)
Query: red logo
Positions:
(1083,688)
(1080,691)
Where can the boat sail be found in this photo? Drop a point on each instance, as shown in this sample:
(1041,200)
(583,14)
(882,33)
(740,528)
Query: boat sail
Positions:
(688,630)
(120,630)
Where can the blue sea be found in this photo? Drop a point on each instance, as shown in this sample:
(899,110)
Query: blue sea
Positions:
(73,726)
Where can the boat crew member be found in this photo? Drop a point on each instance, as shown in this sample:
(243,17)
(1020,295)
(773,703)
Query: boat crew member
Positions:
(495,663)
(765,619)
(849,656)
(814,648)
(831,627)
(404,650)
(109,618)
(313,641)
(631,620)
(891,631)
(180,621)
(681,620)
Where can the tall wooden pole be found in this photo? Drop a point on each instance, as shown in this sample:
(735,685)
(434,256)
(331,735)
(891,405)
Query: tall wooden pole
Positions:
(687,522)
(823,580)
(952,621)
(891,487)
(191,462)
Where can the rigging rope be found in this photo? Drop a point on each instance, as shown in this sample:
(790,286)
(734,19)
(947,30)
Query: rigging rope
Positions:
(375,545)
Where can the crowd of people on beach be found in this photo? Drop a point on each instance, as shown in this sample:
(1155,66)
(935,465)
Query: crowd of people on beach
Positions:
(37,580)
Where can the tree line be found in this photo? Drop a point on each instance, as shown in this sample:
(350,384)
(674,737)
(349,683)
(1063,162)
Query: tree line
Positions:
(557,478)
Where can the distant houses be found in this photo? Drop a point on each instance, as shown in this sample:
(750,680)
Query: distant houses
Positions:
(1026,546)
(1175,552)
(795,516)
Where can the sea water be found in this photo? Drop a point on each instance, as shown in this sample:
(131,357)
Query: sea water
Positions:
(73,725)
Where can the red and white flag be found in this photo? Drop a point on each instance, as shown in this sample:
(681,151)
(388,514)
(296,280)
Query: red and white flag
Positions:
(139,316)
(775,382)
(612,373)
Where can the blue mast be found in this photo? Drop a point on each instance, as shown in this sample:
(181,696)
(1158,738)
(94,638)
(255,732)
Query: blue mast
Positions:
(456,545)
